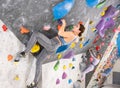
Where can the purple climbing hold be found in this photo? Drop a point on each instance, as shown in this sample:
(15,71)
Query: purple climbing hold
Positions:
(58,81)
(64,75)
(107,21)
(68,55)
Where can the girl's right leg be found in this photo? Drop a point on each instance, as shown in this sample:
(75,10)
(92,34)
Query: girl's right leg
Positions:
(49,44)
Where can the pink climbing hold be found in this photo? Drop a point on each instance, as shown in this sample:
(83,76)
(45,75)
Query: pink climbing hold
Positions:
(102,44)
(64,75)
(58,81)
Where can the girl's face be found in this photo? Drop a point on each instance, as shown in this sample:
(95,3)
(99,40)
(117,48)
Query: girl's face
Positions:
(76,29)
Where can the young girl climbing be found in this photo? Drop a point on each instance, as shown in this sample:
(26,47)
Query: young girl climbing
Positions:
(91,67)
(50,45)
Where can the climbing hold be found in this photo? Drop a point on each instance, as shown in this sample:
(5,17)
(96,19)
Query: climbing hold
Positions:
(58,81)
(16,77)
(96,39)
(16,63)
(58,27)
(62,9)
(93,29)
(105,8)
(92,3)
(97,48)
(73,67)
(62,48)
(72,45)
(56,65)
(102,44)
(68,55)
(64,67)
(81,45)
(70,27)
(82,39)
(4,27)
(35,48)
(91,22)
(64,75)
(86,42)
(118,6)
(46,27)
(69,81)
(10,57)
(99,5)
(59,56)
(80,22)
(102,13)
(73,59)
(70,65)
(24,30)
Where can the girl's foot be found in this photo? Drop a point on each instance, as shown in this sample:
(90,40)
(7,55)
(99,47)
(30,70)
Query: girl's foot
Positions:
(32,85)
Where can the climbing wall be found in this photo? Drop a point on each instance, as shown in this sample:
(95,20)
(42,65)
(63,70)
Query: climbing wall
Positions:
(13,75)
(105,56)
(33,14)
(66,74)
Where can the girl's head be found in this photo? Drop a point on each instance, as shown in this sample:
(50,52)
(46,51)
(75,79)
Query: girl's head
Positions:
(99,56)
(78,29)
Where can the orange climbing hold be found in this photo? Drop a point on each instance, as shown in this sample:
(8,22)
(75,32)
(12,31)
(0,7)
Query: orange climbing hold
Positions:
(58,27)
(4,27)
(10,57)
(24,30)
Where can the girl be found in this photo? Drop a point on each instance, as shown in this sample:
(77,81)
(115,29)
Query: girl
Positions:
(96,60)
(50,45)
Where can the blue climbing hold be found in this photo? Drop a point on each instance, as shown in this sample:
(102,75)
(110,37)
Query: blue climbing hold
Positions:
(92,3)
(118,45)
(118,6)
(62,9)
(86,42)
(69,81)
(62,48)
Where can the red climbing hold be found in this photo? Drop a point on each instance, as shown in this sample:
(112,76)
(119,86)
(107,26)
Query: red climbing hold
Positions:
(97,48)
(4,27)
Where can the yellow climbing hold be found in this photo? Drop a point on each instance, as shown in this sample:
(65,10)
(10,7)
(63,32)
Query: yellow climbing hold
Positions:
(16,77)
(35,48)
(16,63)
(81,45)
(82,39)
(102,13)
(70,65)
(91,22)
(93,29)
(105,8)
(72,45)
(59,56)
(64,67)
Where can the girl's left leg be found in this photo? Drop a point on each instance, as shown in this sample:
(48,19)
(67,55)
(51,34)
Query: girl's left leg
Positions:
(89,69)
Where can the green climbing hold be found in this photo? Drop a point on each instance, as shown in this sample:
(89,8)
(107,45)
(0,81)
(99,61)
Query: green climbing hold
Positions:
(56,66)
(70,27)
(99,5)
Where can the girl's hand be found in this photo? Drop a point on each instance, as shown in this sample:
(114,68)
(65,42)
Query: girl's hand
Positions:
(63,22)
